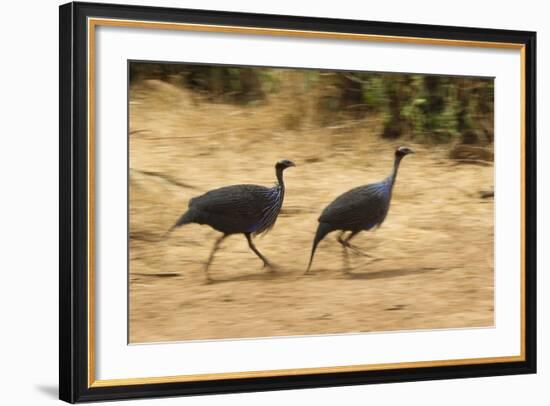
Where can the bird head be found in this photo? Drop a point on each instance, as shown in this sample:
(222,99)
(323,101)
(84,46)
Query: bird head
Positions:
(402,151)
(283,164)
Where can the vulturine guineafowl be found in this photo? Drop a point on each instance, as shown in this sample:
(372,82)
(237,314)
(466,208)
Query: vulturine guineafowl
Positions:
(238,209)
(361,208)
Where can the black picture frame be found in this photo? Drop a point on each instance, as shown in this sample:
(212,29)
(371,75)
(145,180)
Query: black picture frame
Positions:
(73,255)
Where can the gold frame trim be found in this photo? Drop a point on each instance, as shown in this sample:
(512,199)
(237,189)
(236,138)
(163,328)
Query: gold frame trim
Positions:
(94,22)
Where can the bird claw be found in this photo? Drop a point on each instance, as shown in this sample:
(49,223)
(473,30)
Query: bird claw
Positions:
(358,251)
(270,267)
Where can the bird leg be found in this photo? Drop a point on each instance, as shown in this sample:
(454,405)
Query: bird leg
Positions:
(211,257)
(345,241)
(359,251)
(341,240)
(355,249)
(345,251)
(347,268)
(258,253)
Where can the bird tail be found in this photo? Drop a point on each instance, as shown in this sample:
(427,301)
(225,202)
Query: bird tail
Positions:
(322,231)
(186,218)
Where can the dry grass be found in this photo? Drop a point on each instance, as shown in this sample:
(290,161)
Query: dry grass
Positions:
(435,250)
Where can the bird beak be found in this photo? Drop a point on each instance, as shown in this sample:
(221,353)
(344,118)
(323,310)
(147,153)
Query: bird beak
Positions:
(292,164)
(411,151)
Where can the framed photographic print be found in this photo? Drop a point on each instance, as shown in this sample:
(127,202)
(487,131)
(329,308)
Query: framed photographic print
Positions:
(257,202)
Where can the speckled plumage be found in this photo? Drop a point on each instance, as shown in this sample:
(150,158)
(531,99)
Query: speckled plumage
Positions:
(238,209)
(359,209)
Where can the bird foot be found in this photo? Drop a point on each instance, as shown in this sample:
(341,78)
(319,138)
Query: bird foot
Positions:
(270,267)
(358,251)
(346,271)
(374,259)
(353,248)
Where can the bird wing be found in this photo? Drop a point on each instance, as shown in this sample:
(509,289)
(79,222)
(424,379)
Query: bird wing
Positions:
(245,201)
(362,207)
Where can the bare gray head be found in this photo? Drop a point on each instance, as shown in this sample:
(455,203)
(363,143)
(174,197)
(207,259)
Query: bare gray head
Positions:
(283,164)
(400,152)
(280,167)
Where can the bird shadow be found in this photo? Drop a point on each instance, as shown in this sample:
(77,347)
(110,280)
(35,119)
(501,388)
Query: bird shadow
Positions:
(265,276)
(388,273)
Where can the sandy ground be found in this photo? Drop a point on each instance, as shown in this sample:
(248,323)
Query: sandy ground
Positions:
(433,265)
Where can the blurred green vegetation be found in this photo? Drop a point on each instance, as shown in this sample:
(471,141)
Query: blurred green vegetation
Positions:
(425,108)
